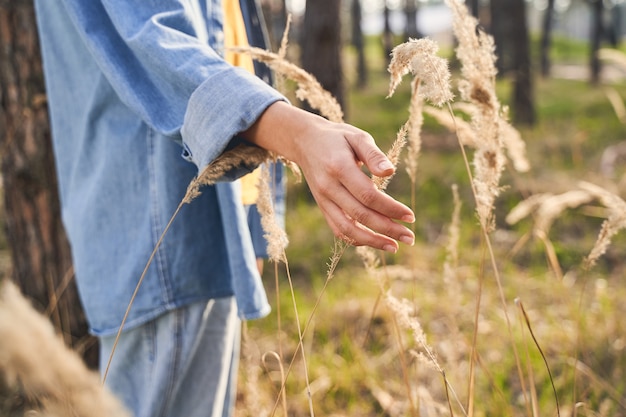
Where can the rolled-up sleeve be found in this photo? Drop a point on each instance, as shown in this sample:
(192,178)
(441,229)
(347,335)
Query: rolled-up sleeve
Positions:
(158,57)
(215,100)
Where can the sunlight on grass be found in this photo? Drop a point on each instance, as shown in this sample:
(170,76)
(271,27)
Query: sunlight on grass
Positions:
(355,362)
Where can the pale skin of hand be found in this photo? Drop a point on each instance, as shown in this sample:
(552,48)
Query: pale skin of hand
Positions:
(330,156)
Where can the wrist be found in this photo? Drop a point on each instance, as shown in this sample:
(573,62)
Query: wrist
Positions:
(280,129)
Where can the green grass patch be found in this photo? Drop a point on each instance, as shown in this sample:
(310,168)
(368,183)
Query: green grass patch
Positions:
(360,359)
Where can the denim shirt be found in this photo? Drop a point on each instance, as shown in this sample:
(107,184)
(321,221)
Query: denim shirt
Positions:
(140,100)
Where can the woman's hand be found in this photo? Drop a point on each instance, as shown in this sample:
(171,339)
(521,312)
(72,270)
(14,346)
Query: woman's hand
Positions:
(330,156)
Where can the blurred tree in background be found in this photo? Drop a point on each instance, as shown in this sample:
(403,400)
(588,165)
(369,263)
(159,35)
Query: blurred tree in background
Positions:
(358,41)
(410,11)
(322,46)
(597,32)
(546,38)
(509,27)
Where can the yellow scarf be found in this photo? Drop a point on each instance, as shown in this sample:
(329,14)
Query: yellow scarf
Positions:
(235,35)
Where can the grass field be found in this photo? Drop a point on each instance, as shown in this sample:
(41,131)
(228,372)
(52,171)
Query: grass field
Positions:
(548,339)
(467,322)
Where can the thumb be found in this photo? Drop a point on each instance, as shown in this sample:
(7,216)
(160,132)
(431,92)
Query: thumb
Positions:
(374,159)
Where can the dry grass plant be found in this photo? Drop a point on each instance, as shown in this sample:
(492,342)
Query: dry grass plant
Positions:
(546,209)
(35,359)
(476,52)
(431,81)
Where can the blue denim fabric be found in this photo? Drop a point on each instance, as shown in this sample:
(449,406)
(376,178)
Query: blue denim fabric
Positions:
(133,86)
(183,363)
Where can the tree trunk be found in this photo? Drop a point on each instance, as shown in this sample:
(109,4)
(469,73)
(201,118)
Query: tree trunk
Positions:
(523,102)
(500,27)
(321,45)
(387,35)
(614,31)
(410,11)
(358,43)
(474,7)
(40,253)
(275,14)
(546,39)
(597,31)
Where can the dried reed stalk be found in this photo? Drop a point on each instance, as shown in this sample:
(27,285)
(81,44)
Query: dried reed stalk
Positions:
(475,51)
(511,138)
(403,311)
(34,358)
(240,156)
(419,57)
(452,250)
(547,207)
(526,319)
(431,81)
(309,88)
(464,131)
(282,52)
(394,156)
(611,226)
(275,235)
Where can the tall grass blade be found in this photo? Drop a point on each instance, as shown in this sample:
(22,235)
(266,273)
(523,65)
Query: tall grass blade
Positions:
(543,356)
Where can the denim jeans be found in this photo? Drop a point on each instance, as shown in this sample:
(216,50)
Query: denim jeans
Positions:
(183,363)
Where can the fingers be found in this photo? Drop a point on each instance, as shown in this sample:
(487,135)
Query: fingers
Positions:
(356,222)
(356,233)
(361,187)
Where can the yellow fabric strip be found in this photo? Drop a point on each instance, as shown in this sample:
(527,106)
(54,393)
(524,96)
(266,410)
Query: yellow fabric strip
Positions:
(235,35)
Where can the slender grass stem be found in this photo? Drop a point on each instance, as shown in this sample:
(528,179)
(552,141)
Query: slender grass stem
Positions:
(403,365)
(492,258)
(141,278)
(543,356)
(300,343)
(473,351)
(338,251)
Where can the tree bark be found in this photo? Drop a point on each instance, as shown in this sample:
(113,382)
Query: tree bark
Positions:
(410,11)
(546,39)
(509,28)
(321,45)
(523,101)
(40,254)
(500,28)
(387,35)
(597,31)
(359,43)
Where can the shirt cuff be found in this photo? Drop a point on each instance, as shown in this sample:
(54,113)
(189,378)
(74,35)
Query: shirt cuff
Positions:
(224,105)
